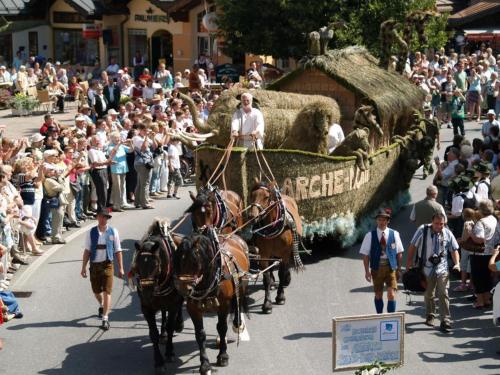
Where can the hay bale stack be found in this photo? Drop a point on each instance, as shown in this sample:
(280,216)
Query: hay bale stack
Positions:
(292,121)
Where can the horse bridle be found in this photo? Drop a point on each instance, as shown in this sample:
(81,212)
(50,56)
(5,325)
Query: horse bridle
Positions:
(264,211)
(196,280)
(152,279)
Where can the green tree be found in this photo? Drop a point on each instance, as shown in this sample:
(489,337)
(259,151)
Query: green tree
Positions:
(280,27)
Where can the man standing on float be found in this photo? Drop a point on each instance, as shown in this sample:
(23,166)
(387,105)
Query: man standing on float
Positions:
(247,125)
(382,252)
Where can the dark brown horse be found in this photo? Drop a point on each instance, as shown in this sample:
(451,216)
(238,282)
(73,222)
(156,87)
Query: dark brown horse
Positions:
(212,278)
(277,235)
(219,208)
(153,268)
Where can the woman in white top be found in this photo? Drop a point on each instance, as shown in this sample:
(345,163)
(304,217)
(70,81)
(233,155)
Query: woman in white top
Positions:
(484,232)
(148,91)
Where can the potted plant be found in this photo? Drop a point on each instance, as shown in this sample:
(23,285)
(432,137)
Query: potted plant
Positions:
(23,105)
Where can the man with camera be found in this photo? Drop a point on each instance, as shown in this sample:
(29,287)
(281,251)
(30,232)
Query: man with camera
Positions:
(382,252)
(432,242)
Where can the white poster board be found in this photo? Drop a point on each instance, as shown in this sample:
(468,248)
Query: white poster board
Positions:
(362,340)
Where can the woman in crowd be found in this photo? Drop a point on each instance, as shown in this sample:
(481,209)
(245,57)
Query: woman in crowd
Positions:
(483,233)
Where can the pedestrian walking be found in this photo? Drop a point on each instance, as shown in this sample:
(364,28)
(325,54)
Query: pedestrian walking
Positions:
(432,243)
(102,245)
(382,252)
(424,210)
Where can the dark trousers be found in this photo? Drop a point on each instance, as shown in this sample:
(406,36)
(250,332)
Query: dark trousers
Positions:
(458,123)
(60,102)
(100,180)
(43,228)
(480,273)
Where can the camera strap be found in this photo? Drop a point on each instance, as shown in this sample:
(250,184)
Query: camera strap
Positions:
(420,261)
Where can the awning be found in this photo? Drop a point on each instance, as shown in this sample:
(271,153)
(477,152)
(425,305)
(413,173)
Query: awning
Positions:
(482,35)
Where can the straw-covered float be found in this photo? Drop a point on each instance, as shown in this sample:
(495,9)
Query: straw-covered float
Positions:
(386,140)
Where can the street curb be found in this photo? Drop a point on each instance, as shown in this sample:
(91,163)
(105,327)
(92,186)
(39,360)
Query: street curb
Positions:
(32,267)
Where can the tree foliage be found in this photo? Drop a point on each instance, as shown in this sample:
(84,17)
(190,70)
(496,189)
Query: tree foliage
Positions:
(279,28)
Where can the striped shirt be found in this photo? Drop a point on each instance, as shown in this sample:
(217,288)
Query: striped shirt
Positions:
(437,243)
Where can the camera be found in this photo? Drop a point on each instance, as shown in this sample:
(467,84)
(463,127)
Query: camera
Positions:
(435,259)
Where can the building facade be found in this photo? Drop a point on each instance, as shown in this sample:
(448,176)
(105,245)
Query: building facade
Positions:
(83,32)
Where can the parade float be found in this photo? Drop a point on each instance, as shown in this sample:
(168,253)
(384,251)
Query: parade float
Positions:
(386,139)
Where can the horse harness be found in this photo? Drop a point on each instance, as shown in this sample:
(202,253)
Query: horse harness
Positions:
(284,220)
(165,287)
(208,297)
(222,211)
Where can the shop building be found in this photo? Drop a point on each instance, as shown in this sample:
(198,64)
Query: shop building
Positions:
(83,31)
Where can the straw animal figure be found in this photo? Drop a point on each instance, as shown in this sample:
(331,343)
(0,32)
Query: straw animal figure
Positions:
(357,144)
(364,117)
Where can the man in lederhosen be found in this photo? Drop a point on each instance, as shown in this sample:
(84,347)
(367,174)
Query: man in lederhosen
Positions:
(102,244)
(382,252)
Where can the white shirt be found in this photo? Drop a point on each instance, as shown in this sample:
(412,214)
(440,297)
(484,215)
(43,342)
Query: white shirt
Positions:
(113,69)
(101,133)
(367,242)
(246,123)
(335,137)
(100,255)
(173,156)
(485,228)
(97,156)
(148,92)
(482,189)
(137,142)
(457,203)
(448,172)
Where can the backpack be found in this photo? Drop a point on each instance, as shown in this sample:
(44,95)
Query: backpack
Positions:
(469,202)
(414,278)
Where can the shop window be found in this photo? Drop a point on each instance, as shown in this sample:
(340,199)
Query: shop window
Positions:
(71,46)
(33,43)
(203,45)
(137,41)
(6,49)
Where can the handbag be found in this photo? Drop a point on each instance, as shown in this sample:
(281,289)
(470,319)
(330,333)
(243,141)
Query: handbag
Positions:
(53,202)
(414,279)
(472,246)
(75,188)
(145,158)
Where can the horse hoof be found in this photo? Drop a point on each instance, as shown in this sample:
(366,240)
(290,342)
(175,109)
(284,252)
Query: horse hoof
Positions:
(179,327)
(206,369)
(239,329)
(267,309)
(222,360)
(280,301)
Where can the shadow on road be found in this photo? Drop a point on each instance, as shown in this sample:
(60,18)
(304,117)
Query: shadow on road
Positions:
(132,355)
(307,335)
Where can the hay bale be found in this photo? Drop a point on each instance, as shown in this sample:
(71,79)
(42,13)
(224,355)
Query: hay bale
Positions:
(289,118)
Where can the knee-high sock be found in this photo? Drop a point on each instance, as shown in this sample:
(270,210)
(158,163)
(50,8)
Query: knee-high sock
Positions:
(379,305)
(391,306)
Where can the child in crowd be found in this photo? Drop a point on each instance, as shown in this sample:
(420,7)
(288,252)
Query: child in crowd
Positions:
(469,216)
(174,166)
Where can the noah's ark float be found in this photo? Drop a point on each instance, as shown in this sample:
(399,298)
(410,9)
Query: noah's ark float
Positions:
(386,141)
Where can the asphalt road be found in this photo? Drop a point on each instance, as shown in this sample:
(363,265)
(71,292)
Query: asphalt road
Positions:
(59,333)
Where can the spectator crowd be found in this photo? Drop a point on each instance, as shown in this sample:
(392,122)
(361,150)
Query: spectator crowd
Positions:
(121,151)
(466,186)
